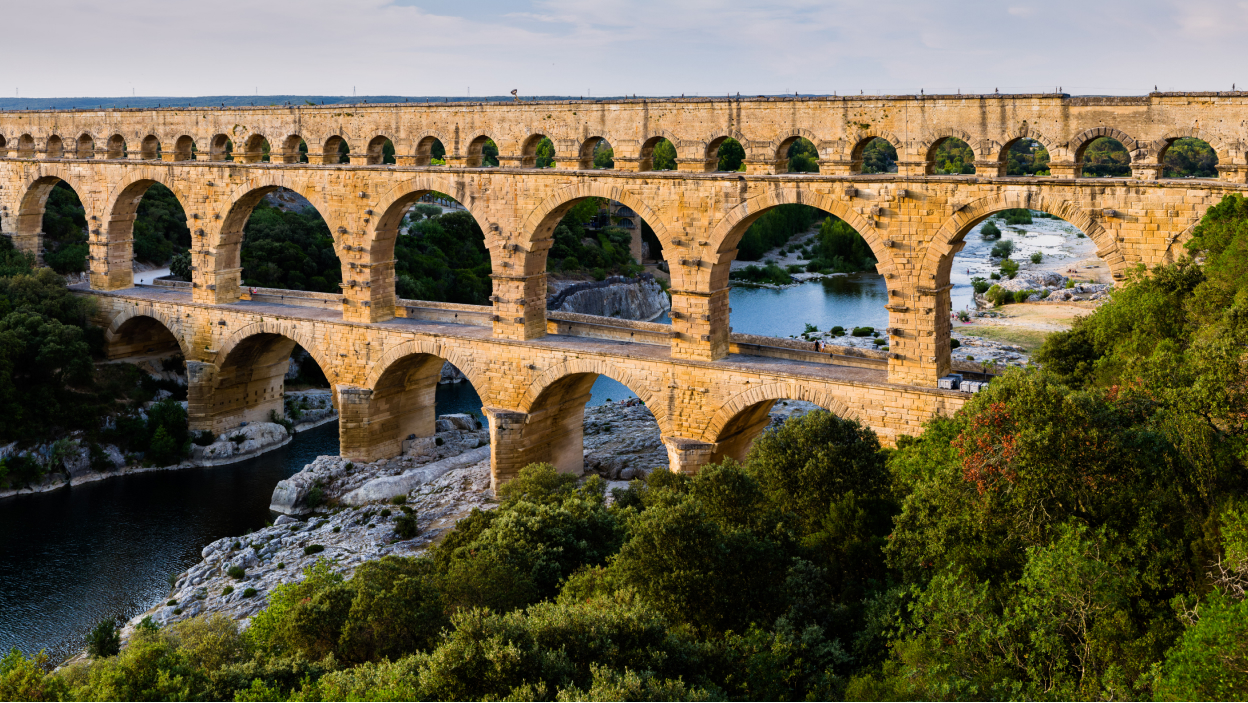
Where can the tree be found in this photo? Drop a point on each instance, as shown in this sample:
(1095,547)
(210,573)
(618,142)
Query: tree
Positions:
(545,153)
(604,155)
(731,155)
(879,156)
(104,640)
(663,158)
(803,157)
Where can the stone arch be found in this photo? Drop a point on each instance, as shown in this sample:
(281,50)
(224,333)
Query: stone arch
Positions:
(540,223)
(289,153)
(85,146)
(331,150)
(729,230)
(424,146)
(220,147)
(716,139)
(394,203)
(598,367)
(26,147)
(781,142)
(554,407)
(474,144)
(253,148)
(1080,142)
(744,417)
(945,244)
(934,138)
(54,148)
(290,330)
(132,315)
(121,208)
(28,230)
(475,375)
(184,148)
(375,151)
(116,147)
(858,144)
(1156,150)
(1001,150)
(239,205)
(585,150)
(645,154)
(528,150)
(149,148)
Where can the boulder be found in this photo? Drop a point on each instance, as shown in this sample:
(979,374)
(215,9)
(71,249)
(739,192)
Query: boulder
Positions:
(387,487)
(456,421)
(253,438)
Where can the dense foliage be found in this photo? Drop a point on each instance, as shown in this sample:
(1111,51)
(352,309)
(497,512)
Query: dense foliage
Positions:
(803,157)
(577,249)
(1027,157)
(663,158)
(840,249)
(731,155)
(442,257)
(64,231)
(159,229)
(774,228)
(879,156)
(293,250)
(1189,158)
(1106,157)
(952,155)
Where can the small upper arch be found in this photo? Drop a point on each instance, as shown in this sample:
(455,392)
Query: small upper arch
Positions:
(85,146)
(1079,143)
(425,142)
(25,147)
(376,151)
(54,148)
(116,147)
(336,150)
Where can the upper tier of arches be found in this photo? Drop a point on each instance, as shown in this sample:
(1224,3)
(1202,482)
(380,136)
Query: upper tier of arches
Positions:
(837,133)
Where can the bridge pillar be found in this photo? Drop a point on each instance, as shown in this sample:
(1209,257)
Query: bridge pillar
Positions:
(1233,173)
(519,306)
(839,167)
(629,163)
(697,165)
(457,161)
(355,438)
(213,286)
(368,292)
(700,324)
(919,338)
(554,435)
(687,456)
(1065,169)
(1146,171)
(987,168)
(764,167)
(201,379)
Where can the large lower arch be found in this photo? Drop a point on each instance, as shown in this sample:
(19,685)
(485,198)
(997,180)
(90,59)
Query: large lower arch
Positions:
(401,402)
(744,417)
(28,231)
(247,382)
(142,330)
(552,429)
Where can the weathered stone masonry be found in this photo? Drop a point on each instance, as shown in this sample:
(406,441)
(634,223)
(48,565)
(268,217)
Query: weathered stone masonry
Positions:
(913,221)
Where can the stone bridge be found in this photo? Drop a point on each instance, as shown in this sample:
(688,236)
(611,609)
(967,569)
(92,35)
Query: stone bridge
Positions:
(706,386)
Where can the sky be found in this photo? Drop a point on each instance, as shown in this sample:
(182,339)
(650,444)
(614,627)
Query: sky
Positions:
(77,48)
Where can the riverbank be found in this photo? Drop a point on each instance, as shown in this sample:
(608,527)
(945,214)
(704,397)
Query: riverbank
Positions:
(307,409)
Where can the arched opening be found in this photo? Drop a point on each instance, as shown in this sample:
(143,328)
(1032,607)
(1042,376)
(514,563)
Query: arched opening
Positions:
(336,151)
(657,154)
(25,147)
(1104,157)
(1026,157)
(64,227)
(840,290)
(55,148)
(538,152)
(1020,275)
(280,241)
(1189,157)
(4,146)
(740,432)
(380,151)
(221,148)
(86,146)
(950,156)
(596,153)
(250,384)
(874,155)
(594,239)
(117,147)
(255,149)
(438,249)
(141,336)
(151,215)
(797,155)
(725,154)
(420,396)
(149,148)
(431,152)
(593,422)
(482,153)
(184,148)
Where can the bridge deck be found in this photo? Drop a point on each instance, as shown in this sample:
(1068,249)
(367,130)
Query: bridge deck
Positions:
(559,342)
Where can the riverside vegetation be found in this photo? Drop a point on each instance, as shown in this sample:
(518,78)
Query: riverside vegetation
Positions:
(1077,531)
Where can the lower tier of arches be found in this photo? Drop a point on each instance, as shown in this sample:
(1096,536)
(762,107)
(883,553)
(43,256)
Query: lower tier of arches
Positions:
(534,392)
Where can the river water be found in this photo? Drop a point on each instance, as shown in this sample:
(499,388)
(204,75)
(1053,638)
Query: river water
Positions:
(73,557)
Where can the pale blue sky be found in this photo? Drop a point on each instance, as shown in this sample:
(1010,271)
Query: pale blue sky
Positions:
(647,47)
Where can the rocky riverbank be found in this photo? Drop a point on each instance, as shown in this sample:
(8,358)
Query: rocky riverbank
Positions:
(640,298)
(70,461)
(349,513)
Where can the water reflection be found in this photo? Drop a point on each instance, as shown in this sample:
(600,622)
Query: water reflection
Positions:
(849,301)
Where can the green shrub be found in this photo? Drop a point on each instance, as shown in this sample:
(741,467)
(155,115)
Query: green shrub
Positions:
(104,640)
(1016,216)
(315,497)
(236,572)
(863,331)
(990,231)
(398,500)
(837,331)
(313,549)
(1002,249)
(980,285)
(1009,267)
(385,512)
(1037,257)
(249,592)
(227,590)
(337,528)
(999,296)
(954,344)
(994,276)
(171,602)
(281,565)
(1021,296)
